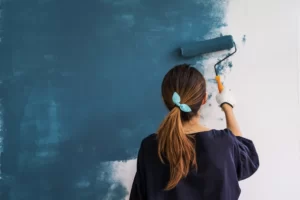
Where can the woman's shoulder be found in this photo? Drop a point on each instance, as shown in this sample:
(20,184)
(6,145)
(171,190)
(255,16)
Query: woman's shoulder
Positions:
(224,135)
(149,139)
(227,136)
(221,135)
(213,133)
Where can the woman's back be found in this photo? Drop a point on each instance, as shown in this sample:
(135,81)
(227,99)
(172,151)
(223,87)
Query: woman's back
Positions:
(205,165)
(222,160)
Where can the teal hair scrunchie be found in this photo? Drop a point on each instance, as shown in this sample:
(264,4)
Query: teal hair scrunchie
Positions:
(176,100)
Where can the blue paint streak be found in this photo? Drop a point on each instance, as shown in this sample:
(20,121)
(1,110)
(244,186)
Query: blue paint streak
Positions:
(221,67)
(73,77)
(209,96)
(244,39)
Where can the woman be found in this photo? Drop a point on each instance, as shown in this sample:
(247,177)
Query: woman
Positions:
(185,160)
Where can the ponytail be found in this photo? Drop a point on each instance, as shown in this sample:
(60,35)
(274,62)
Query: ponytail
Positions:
(175,147)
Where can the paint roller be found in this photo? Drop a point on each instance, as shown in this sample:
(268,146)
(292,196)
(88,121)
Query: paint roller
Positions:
(209,46)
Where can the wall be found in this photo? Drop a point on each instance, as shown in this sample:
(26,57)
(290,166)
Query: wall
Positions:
(268,108)
(80,88)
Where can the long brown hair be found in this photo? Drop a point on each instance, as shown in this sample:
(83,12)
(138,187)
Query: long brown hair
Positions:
(174,146)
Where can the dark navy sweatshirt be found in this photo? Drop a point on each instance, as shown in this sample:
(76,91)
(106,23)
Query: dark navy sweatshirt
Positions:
(222,158)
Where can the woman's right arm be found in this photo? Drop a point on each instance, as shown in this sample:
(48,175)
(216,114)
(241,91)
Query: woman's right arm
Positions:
(226,101)
(244,152)
(231,121)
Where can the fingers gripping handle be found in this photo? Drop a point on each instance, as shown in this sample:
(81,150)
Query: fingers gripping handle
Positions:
(220,85)
(225,97)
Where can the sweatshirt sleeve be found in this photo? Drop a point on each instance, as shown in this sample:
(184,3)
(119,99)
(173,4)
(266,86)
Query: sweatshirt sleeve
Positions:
(245,156)
(138,191)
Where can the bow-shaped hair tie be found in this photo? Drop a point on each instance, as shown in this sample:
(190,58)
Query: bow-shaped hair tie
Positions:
(176,101)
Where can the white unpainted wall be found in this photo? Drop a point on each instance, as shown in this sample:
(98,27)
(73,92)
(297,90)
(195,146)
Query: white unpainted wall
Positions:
(265,80)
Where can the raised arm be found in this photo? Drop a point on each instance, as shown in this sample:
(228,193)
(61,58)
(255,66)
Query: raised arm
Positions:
(227,102)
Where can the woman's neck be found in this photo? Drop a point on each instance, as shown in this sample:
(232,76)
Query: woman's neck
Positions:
(194,126)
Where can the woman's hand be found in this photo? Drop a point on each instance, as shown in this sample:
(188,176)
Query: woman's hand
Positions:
(225,98)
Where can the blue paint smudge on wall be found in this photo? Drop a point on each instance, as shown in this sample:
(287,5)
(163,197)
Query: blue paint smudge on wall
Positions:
(80,85)
(221,67)
(230,64)
(209,96)
(244,39)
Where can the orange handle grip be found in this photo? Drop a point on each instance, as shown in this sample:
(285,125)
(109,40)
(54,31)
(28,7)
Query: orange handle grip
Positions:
(220,85)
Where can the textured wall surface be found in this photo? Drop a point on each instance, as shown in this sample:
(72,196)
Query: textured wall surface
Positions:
(80,87)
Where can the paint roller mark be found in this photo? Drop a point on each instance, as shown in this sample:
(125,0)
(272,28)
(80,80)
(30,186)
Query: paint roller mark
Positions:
(204,4)
(171,14)
(83,184)
(162,28)
(199,2)
(126,2)
(49,57)
(151,40)
(222,25)
(44,1)
(106,1)
(127,19)
(186,35)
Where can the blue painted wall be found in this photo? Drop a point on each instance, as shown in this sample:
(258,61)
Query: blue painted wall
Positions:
(80,85)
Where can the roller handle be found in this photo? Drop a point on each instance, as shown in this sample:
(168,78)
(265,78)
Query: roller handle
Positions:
(220,85)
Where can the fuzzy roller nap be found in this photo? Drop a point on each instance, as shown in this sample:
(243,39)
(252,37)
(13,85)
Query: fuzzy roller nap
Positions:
(209,46)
